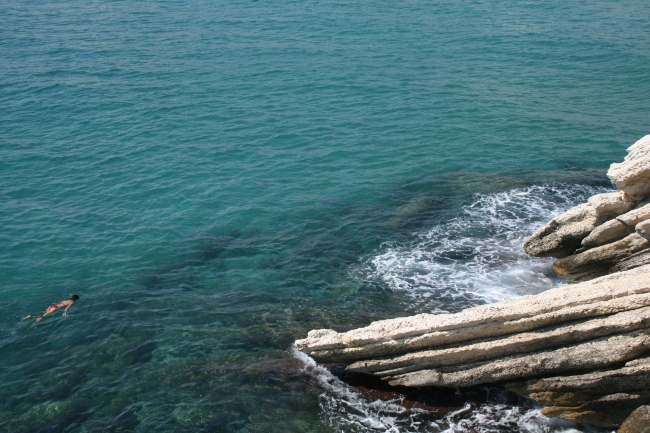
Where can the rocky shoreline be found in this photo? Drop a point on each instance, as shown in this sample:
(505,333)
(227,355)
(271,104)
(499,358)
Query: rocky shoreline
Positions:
(610,233)
(582,349)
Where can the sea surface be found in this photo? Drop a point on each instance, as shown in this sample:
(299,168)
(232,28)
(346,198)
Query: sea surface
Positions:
(216,178)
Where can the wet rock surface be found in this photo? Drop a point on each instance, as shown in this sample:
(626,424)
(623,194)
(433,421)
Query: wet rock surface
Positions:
(438,401)
(602,397)
(627,253)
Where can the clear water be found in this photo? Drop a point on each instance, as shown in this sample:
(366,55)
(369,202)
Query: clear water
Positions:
(216,178)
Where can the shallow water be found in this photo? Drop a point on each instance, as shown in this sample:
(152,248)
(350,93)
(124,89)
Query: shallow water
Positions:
(215,179)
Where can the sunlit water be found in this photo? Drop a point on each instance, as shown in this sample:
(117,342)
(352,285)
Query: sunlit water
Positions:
(216,178)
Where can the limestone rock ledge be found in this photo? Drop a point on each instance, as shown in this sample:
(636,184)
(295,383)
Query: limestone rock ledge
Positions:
(583,349)
(610,233)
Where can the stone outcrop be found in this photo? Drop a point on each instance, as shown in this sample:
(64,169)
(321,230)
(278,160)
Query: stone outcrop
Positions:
(611,231)
(525,342)
(607,234)
(633,174)
(643,229)
(563,235)
(578,348)
(587,300)
(600,353)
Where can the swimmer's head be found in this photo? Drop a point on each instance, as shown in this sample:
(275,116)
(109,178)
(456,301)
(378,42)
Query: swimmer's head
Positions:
(74,297)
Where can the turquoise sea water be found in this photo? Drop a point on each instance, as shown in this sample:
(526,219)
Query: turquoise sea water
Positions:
(216,178)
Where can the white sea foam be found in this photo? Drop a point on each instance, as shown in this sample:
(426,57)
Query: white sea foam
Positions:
(477,256)
(348,410)
(492,418)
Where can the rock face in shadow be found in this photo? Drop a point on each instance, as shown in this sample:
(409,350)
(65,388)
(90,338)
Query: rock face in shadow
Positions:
(580,349)
(607,234)
(621,255)
(602,398)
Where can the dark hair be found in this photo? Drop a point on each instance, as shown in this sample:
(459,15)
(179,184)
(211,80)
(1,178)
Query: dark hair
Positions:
(74,297)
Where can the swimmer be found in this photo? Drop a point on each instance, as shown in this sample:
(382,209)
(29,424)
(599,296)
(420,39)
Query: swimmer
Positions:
(67,303)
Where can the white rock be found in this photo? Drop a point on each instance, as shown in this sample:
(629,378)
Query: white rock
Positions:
(562,235)
(594,354)
(610,231)
(633,174)
(519,343)
(579,331)
(634,217)
(633,376)
(606,295)
(615,203)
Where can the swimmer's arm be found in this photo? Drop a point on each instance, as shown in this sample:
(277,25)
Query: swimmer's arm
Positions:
(65,312)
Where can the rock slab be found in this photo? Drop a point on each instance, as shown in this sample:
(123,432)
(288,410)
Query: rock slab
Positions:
(546,347)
